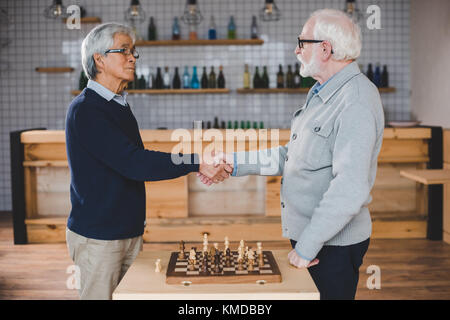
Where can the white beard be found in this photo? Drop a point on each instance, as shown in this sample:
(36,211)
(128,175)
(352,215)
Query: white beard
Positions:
(309,69)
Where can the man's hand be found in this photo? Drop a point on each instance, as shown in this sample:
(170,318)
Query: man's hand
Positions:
(213,170)
(299,262)
(218,159)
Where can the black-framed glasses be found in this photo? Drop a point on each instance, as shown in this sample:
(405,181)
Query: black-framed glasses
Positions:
(302,41)
(124,51)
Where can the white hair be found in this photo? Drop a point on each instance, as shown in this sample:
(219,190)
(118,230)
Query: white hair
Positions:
(98,40)
(340,30)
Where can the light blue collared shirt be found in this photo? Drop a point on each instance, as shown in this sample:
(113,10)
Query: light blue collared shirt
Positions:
(108,94)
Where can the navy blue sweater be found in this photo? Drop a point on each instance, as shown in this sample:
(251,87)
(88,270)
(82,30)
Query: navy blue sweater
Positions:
(108,166)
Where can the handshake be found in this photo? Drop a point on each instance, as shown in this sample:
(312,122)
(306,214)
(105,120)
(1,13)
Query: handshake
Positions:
(215,167)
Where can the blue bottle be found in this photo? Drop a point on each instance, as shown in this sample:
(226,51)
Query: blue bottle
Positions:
(175,29)
(195,84)
(377,76)
(231,29)
(212,34)
(186,78)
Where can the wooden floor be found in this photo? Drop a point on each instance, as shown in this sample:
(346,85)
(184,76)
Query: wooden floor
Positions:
(410,269)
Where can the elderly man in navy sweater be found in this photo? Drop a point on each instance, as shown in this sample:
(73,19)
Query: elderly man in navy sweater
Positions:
(109,164)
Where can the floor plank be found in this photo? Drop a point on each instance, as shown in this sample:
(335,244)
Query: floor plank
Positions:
(410,268)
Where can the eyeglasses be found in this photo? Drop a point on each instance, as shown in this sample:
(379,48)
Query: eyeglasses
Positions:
(125,51)
(301,41)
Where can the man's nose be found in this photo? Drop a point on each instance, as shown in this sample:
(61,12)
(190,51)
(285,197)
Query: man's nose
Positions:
(131,58)
(297,50)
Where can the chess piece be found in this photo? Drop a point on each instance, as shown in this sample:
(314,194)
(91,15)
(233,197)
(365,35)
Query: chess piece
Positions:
(212,253)
(259,248)
(181,254)
(251,259)
(158,265)
(192,259)
(240,261)
(205,264)
(217,263)
(205,242)
(226,245)
(261,260)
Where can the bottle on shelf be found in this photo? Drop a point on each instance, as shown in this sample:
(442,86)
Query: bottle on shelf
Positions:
(246,77)
(176,83)
(212,79)
(186,78)
(265,78)
(142,82)
(231,28)
(204,81)
(289,78)
(236,124)
(369,72)
(176,34)
(222,125)
(150,81)
(208,125)
(384,78)
(242,124)
(248,126)
(297,78)
(212,33)
(229,125)
(152,30)
(261,125)
(195,84)
(158,80)
(377,76)
(166,78)
(280,77)
(254,29)
(256,79)
(193,32)
(255,125)
(216,123)
(221,78)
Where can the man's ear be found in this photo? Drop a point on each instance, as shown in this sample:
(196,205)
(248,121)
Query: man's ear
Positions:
(98,58)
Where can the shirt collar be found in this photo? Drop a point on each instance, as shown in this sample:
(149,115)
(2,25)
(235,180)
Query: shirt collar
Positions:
(337,81)
(105,92)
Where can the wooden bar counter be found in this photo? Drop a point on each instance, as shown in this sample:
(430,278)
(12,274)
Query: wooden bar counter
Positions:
(245,207)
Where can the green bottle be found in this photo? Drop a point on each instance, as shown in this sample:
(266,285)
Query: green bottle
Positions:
(229,125)
(261,125)
(248,125)
(242,124)
(236,125)
(255,125)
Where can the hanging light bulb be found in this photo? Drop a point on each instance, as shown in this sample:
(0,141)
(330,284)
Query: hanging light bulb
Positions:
(56,10)
(352,11)
(270,12)
(135,13)
(192,14)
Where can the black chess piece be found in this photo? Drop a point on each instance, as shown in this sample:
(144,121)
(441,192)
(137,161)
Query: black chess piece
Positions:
(205,264)
(217,263)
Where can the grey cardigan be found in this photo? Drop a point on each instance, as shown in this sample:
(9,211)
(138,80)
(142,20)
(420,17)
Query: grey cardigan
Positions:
(328,166)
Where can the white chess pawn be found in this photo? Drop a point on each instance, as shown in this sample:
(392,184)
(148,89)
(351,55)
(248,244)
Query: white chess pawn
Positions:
(158,265)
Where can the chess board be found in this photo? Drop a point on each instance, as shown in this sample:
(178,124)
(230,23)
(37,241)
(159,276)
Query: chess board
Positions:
(178,270)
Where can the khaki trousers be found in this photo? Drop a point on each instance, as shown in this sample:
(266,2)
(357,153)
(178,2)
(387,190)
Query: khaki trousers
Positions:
(102,263)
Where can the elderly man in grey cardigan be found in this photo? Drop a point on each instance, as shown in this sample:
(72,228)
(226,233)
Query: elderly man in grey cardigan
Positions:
(329,166)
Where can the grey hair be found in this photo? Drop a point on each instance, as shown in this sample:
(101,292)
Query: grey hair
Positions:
(98,40)
(340,30)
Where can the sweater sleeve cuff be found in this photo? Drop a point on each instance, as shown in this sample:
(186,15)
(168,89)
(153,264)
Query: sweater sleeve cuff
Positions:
(297,250)
(234,165)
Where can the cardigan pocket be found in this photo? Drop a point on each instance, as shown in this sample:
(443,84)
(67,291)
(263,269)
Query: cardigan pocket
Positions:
(314,145)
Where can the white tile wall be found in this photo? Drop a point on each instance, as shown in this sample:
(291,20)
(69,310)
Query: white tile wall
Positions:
(31,99)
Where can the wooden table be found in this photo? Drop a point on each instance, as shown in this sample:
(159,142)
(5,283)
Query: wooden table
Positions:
(142,282)
(428,176)
(436,179)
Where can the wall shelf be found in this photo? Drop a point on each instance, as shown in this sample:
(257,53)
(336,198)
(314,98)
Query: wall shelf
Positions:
(199,42)
(169,91)
(294,91)
(54,69)
(87,20)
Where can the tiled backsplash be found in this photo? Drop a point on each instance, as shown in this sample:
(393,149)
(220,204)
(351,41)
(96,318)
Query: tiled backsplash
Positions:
(32,99)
